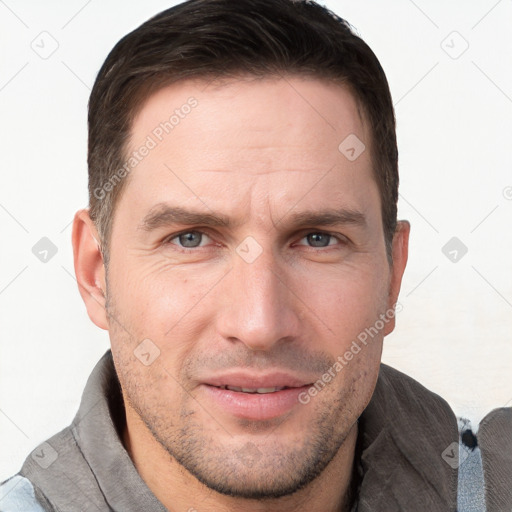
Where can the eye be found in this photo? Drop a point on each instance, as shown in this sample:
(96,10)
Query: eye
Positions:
(320,239)
(187,239)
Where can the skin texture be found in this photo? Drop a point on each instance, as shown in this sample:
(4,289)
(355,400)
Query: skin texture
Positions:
(257,152)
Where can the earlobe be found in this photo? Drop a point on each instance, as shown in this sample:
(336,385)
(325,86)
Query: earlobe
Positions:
(400,251)
(89,267)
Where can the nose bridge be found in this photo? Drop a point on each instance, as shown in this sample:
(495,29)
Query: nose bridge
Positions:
(258,279)
(260,308)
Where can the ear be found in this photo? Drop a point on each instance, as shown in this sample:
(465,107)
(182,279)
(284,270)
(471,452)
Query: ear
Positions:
(400,251)
(89,267)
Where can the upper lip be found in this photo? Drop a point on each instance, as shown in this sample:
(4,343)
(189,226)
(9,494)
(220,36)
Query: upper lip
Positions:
(253,381)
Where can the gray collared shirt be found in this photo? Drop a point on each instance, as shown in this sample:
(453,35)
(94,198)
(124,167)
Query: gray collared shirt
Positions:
(407,456)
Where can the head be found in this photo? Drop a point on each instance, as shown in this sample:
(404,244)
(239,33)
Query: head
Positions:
(242,230)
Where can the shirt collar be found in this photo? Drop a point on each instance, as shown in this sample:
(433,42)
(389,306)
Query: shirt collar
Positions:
(407,435)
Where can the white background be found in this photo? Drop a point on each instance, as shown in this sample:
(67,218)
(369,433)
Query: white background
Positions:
(454,120)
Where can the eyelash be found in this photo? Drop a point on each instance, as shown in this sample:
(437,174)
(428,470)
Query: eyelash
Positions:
(339,238)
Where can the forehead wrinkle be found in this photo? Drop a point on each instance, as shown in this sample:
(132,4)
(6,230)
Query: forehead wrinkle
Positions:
(255,172)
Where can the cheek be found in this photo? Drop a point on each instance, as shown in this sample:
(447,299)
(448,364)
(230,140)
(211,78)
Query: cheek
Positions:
(169,305)
(158,293)
(348,302)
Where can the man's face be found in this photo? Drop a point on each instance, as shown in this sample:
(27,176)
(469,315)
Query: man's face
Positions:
(268,298)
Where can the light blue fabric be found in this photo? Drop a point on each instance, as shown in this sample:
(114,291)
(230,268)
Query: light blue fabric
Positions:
(471,491)
(17,495)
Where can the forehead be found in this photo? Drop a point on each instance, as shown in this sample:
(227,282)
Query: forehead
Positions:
(258,137)
(252,107)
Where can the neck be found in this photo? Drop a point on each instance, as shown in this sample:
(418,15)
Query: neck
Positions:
(177,489)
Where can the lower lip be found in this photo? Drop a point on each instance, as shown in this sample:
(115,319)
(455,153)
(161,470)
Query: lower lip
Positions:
(255,406)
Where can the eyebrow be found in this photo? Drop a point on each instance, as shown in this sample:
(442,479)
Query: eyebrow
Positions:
(327,217)
(163,215)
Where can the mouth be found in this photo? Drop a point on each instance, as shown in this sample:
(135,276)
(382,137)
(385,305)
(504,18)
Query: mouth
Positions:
(261,391)
(254,398)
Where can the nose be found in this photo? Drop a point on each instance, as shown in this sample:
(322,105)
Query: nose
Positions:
(261,307)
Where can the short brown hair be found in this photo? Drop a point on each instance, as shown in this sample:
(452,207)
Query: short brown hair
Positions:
(222,38)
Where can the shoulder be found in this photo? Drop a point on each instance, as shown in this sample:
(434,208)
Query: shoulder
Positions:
(17,494)
(41,472)
(411,433)
(495,441)
(401,391)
